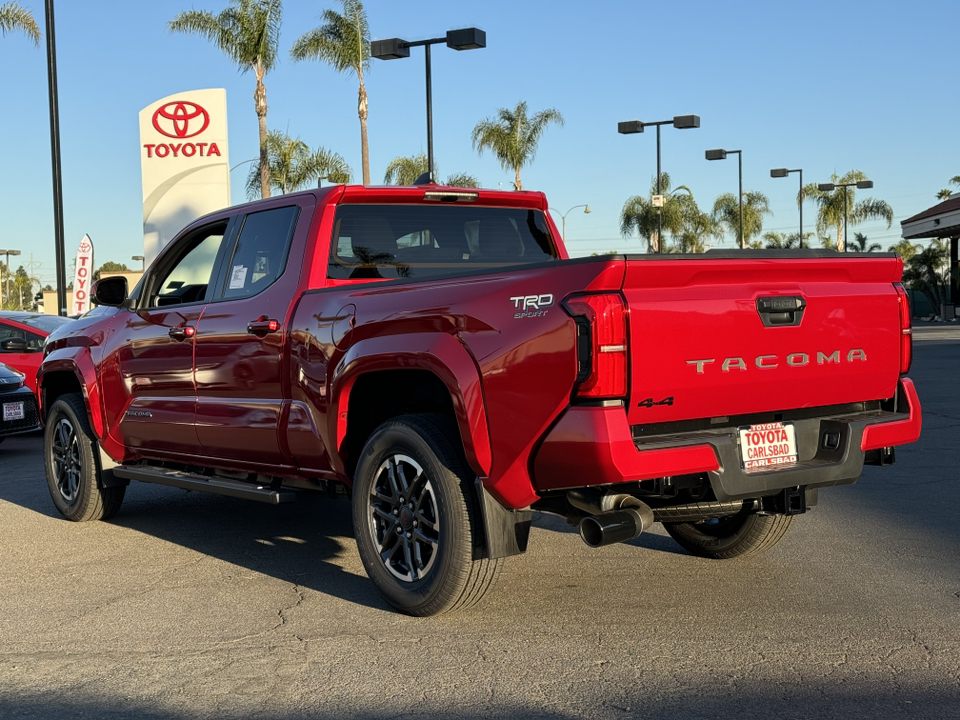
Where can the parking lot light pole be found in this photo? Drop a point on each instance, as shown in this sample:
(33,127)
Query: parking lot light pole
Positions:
(8,253)
(563,218)
(783,172)
(722,155)
(827,187)
(681,122)
(142,261)
(395,48)
(54,102)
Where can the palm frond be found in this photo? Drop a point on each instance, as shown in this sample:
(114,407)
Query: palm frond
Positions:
(14,17)
(405,170)
(872,209)
(464,180)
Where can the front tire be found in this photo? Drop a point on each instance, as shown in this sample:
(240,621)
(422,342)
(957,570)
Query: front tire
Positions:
(70,454)
(731,536)
(416,520)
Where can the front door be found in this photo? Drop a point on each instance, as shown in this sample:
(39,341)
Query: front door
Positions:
(148,385)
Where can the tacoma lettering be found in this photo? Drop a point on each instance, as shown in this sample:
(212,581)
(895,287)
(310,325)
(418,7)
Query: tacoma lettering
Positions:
(770,362)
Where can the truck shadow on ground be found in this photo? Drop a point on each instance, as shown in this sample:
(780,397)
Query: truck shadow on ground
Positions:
(303,542)
(866,699)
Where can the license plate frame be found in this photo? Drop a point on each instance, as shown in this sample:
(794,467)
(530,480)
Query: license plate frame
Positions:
(767,446)
(14,411)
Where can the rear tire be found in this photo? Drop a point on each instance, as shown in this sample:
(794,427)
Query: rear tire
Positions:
(730,536)
(71,456)
(416,519)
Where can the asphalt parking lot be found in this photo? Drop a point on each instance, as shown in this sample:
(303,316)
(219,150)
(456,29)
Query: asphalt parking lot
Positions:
(193,606)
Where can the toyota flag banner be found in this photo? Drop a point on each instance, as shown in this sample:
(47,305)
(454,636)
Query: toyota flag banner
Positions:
(83,277)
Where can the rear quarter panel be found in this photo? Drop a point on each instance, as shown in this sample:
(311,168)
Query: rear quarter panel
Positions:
(522,363)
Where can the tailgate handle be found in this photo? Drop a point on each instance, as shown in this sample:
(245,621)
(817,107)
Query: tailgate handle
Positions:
(781,310)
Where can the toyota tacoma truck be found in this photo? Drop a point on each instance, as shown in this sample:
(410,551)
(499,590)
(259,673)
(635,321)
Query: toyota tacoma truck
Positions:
(434,355)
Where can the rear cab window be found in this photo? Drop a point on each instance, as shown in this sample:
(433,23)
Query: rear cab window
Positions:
(260,255)
(372,241)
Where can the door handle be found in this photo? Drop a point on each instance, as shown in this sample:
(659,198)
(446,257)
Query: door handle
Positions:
(182,332)
(263,325)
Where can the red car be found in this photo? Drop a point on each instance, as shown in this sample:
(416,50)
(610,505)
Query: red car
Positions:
(18,405)
(22,335)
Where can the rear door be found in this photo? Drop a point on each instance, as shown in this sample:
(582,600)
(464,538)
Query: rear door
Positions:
(240,367)
(715,337)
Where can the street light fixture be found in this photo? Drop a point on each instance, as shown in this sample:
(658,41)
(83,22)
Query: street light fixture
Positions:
(827,187)
(681,122)
(8,253)
(395,48)
(783,172)
(142,262)
(563,218)
(722,155)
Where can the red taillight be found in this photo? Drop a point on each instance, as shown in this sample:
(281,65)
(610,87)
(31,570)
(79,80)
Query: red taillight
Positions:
(601,344)
(906,330)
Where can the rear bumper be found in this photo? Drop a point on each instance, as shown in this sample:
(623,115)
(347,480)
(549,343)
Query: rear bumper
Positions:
(592,446)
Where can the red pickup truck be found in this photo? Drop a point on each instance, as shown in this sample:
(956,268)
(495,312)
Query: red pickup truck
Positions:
(432,353)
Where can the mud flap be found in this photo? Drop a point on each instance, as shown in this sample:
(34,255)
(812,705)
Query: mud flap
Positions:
(505,531)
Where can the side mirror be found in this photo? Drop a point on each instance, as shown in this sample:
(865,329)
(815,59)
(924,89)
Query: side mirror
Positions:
(17,345)
(110,291)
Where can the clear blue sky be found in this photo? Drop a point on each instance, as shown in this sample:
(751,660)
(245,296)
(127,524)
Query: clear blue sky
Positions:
(823,86)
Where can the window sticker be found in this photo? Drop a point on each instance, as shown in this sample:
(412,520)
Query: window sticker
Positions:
(238,277)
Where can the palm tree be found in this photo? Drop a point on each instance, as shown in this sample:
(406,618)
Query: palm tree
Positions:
(831,204)
(464,180)
(859,244)
(248,32)
(944,194)
(905,249)
(293,166)
(343,41)
(783,241)
(14,17)
(513,136)
(407,170)
(927,271)
(641,215)
(955,180)
(726,213)
(696,227)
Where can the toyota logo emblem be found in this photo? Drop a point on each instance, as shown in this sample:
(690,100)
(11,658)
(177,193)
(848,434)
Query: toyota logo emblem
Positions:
(180,119)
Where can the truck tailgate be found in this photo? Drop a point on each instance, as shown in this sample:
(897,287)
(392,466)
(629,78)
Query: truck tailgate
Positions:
(716,337)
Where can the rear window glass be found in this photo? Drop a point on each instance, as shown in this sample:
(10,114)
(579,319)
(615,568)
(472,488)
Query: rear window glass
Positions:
(414,241)
(46,323)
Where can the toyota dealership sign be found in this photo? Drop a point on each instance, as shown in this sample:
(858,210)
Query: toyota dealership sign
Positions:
(184,164)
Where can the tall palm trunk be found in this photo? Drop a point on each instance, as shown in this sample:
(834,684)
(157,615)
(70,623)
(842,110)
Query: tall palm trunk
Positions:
(362,113)
(260,103)
(517,184)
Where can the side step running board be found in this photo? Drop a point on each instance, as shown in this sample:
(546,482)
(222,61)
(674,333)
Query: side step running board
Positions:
(203,483)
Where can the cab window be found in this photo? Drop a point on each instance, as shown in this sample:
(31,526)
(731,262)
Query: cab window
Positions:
(184,276)
(260,255)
